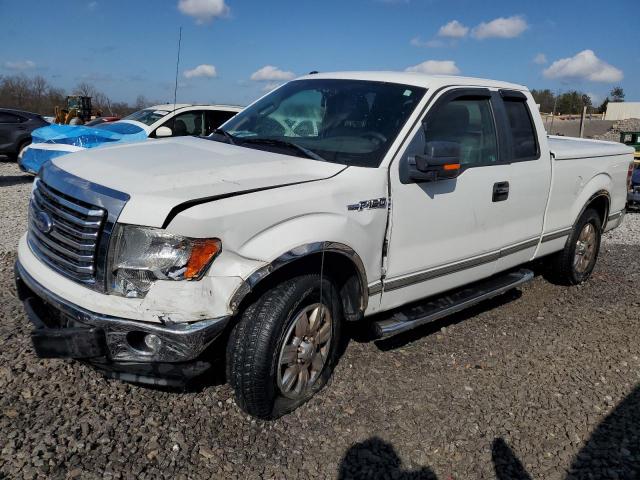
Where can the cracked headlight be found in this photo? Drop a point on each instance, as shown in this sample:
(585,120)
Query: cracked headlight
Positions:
(141,255)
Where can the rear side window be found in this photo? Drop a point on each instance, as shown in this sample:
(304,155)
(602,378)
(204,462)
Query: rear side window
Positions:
(215,118)
(525,144)
(9,118)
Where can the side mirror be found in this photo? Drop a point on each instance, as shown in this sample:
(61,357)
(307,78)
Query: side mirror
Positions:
(163,132)
(441,161)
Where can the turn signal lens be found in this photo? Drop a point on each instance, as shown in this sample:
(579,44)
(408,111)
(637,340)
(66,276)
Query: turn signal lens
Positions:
(452,166)
(202,253)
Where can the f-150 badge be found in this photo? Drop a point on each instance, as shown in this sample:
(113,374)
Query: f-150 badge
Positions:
(368,204)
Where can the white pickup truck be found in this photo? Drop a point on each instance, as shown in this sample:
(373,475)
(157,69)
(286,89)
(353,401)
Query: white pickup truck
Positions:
(331,199)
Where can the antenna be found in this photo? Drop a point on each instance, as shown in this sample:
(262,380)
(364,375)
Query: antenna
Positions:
(175,89)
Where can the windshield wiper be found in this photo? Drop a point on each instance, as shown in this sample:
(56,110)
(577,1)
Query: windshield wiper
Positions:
(284,143)
(226,135)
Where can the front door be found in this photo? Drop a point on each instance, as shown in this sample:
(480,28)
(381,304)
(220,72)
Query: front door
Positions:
(446,233)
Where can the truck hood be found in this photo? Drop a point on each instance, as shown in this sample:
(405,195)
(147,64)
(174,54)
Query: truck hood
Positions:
(159,175)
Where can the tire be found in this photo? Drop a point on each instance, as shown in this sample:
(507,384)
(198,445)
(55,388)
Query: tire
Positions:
(16,156)
(266,353)
(569,266)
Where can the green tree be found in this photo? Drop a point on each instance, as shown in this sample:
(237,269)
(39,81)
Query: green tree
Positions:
(545,98)
(603,106)
(617,94)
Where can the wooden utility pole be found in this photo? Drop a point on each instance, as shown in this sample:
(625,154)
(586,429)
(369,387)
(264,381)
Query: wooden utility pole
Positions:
(582,118)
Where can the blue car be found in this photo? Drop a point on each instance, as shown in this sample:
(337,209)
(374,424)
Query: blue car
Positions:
(167,120)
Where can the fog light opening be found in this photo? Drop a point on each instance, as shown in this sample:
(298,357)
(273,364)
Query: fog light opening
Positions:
(145,343)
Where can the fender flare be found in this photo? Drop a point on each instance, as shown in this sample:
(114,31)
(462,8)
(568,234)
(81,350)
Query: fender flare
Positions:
(298,253)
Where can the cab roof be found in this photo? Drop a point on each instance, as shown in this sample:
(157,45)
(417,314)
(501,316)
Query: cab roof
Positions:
(171,107)
(416,79)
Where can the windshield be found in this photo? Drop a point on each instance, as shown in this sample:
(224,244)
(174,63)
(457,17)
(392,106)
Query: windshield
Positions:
(351,122)
(123,128)
(148,116)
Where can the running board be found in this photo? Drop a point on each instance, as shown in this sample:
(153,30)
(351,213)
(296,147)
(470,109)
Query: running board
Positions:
(452,302)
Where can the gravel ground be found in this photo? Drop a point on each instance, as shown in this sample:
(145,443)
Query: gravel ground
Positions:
(542,384)
(14,199)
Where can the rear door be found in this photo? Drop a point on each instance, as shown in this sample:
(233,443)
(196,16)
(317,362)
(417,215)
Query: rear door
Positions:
(10,129)
(529,176)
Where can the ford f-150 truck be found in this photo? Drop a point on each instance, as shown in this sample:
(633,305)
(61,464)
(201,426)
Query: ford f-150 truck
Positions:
(385,199)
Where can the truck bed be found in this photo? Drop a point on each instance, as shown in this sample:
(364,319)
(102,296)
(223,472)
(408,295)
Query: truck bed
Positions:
(563,148)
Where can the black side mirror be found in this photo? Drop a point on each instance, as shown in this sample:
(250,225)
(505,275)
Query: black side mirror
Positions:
(441,160)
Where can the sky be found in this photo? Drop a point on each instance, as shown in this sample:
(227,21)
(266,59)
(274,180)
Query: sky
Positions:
(233,51)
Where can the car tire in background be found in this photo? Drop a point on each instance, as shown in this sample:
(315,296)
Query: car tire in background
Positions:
(574,264)
(285,346)
(24,144)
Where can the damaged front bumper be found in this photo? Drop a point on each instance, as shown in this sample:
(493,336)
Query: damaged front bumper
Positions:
(166,354)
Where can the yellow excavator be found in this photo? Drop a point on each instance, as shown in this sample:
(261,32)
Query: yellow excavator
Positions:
(77,111)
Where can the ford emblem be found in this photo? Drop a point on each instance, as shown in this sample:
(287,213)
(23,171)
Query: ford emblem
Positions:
(43,222)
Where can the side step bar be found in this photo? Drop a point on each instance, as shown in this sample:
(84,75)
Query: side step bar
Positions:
(451,302)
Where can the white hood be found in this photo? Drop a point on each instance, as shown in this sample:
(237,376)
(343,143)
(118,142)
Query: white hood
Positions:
(161,174)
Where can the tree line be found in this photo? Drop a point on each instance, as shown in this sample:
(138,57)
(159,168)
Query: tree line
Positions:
(573,101)
(36,94)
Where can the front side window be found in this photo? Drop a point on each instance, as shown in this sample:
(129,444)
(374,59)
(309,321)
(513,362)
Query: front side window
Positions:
(351,122)
(184,124)
(525,145)
(469,123)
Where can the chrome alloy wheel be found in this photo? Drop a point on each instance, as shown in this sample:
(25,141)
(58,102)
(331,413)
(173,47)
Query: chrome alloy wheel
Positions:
(585,248)
(305,351)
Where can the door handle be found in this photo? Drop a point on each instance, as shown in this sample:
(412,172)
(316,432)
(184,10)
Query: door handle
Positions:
(500,191)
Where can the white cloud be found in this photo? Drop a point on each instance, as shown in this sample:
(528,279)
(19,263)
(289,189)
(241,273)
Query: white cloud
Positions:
(269,73)
(203,70)
(20,65)
(583,66)
(501,27)
(203,10)
(418,42)
(453,29)
(435,67)
(540,59)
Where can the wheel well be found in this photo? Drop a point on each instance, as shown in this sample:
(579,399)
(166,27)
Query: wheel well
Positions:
(599,203)
(337,266)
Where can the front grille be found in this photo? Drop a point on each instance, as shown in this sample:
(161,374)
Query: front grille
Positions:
(64,232)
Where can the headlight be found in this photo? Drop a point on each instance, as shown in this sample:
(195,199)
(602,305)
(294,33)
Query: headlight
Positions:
(141,255)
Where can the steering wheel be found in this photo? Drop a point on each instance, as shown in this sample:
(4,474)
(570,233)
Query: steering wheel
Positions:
(376,135)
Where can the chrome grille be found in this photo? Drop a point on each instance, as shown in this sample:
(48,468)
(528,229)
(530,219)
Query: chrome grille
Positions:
(64,232)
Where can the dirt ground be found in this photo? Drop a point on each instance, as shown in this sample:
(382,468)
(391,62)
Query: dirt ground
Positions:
(539,383)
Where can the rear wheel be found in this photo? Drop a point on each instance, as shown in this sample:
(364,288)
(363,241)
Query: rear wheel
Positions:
(574,264)
(285,346)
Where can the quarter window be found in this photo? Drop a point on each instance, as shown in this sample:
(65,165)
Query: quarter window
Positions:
(469,123)
(525,146)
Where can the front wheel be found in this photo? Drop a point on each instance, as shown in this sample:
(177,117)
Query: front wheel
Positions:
(285,346)
(574,264)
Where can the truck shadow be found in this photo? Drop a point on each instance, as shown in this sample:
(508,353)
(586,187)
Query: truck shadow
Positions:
(612,451)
